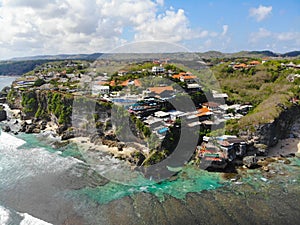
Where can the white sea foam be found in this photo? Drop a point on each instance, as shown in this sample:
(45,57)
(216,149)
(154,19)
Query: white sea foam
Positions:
(17,163)
(4,216)
(11,217)
(9,141)
(30,220)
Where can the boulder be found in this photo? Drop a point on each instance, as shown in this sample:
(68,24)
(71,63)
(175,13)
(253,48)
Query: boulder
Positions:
(250,161)
(68,134)
(23,126)
(61,129)
(6,128)
(30,128)
(36,130)
(3,115)
(120,146)
(2,100)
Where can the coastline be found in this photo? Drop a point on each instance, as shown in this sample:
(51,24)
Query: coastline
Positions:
(285,147)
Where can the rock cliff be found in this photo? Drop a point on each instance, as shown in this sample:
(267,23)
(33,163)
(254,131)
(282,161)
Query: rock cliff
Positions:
(269,134)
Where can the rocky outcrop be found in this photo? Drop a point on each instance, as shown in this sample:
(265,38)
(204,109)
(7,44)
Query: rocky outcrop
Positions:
(250,161)
(3,115)
(68,134)
(6,129)
(269,134)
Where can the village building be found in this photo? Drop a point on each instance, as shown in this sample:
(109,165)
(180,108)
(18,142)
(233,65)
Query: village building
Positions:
(122,72)
(158,69)
(240,66)
(100,89)
(162,92)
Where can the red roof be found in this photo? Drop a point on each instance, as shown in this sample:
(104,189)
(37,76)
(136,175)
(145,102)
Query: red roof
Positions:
(112,83)
(238,66)
(159,90)
(125,83)
(203,111)
(254,63)
(137,83)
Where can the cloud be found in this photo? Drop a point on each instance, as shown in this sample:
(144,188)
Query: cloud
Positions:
(225,29)
(172,26)
(261,34)
(160,2)
(267,39)
(65,26)
(261,12)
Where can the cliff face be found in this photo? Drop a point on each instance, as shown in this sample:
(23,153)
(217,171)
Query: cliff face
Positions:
(270,133)
(57,108)
(3,115)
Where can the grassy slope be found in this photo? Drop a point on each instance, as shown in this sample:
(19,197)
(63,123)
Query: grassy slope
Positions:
(266,87)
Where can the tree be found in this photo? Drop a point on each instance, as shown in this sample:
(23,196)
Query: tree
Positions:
(39,82)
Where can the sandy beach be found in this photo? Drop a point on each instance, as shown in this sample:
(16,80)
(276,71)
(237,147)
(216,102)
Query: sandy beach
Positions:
(84,143)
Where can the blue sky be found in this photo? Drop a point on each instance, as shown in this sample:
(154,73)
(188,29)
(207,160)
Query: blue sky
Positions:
(32,27)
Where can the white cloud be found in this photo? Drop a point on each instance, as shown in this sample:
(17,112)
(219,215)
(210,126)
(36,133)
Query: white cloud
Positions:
(261,12)
(32,27)
(160,2)
(225,29)
(261,34)
(288,36)
(275,41)
(171,26)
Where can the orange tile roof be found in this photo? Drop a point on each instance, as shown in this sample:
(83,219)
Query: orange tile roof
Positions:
(176,76)
(112,83)
(254,63)
(137,83)
(242,65)
(203,111)
(125,83)
(185,76)
(189,77)
(159,90)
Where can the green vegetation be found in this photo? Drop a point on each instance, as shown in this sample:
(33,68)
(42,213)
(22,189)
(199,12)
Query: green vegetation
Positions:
(19,67)
(265,86)
(29,102)
(39,82)
(61,106)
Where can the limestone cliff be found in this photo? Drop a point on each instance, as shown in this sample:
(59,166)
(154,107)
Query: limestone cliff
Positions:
(269,133)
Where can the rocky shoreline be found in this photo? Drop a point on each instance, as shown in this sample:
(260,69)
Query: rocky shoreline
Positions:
(104,139)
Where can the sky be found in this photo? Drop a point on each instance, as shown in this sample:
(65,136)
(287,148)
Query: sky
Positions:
(35,27)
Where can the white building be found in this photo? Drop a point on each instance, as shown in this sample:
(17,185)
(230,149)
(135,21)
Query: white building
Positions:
(100,89)
(158,69)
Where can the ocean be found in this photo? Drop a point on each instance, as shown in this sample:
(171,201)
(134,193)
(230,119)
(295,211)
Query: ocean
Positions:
(42,185)
(6,81)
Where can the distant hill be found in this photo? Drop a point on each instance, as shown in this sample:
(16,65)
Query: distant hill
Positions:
(21,65)
(15,68)
(207,55)
(212,54)
(291,54)
(93,56)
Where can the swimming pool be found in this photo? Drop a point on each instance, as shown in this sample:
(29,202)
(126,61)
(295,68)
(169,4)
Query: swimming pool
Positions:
(162,130)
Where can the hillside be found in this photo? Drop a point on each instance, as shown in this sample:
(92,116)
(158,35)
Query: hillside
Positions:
(270,87)
(17,68)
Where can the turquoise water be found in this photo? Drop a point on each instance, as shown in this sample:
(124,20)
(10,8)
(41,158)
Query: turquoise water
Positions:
(190,179)
(42,181)
(38,141)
